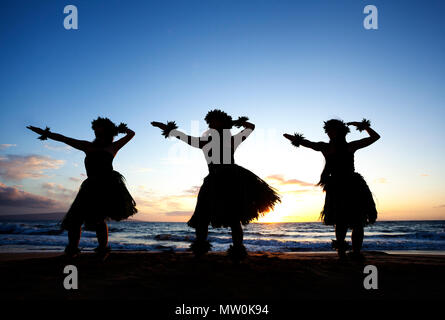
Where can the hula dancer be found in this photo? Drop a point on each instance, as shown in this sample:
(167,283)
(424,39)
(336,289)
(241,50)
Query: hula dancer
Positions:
(349,202)
(231,196)
(103,195)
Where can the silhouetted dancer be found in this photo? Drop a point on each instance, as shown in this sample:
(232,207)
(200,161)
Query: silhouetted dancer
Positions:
(103,195)
(349,202)
(231,196)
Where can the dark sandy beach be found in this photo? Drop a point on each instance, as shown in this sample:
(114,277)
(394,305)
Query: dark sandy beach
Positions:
(179,277)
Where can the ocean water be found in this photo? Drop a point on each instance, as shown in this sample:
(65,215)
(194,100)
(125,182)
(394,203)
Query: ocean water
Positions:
(405,236)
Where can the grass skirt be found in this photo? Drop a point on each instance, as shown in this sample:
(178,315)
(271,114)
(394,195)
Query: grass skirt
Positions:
(232,194)
(348,202)
(99,199)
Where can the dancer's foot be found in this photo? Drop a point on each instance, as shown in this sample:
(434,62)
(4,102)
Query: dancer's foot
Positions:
(72,252)
(237,253)
(341,247)
(356,256)
(200,247)
(341,254)
(102,252)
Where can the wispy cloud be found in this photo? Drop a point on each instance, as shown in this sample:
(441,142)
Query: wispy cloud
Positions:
(157,205)
(81,177)
(62,147)
(290,186)
(17,167)
(13,197)
(192,191)
(6,146)
(279,179)
(59,192)
(178,213)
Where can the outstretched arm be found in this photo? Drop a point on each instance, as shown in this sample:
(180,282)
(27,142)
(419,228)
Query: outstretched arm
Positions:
(117,145)
(77,144)
(362,143)
(173,132)
(298,140)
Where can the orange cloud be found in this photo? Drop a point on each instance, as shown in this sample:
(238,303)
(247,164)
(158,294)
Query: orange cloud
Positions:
(154,206)
(278,178)
(193,190)
(16,167)
(51,147)
(178,213)
(59,192)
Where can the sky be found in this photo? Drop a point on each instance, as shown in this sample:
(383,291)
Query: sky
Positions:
(287,65)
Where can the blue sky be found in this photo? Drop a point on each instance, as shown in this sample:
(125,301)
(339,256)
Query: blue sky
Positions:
(288,65)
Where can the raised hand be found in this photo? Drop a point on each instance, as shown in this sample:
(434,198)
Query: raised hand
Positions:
(159,125)
(166,128)
(43,133)
(289,136)
(364,125)
(36,129)
(242,121)
(360,126)
(297,140)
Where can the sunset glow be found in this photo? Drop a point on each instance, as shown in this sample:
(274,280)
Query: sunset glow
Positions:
(287,67)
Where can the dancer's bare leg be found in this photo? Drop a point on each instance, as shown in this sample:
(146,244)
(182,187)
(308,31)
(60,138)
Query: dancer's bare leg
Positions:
(74,237)
(237,252)
(102,234)
(237,234)
(74,234)
(357,239)
(340,234)
(202,232)
(201,246)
